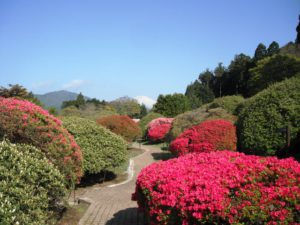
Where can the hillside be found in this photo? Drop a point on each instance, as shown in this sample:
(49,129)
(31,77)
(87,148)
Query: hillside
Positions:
(291,48)
(56,98)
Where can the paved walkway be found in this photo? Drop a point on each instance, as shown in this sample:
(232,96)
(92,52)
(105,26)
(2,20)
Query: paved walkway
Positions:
(113,205)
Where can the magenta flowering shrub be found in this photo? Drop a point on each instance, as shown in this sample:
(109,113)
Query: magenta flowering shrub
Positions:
(24,122)
(222,187)
(159,128)
(210,135)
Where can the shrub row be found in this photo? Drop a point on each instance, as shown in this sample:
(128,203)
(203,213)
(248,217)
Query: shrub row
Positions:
(220,188)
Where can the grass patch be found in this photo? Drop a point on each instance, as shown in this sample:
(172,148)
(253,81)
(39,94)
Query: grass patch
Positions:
(73,214)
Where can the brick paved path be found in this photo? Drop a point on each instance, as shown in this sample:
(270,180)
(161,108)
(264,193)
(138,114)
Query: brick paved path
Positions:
(113,205)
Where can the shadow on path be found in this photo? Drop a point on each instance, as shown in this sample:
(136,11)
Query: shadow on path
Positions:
(129,216)
(162,156)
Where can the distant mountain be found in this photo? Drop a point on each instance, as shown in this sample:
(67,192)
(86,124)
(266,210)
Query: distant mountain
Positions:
(56,98)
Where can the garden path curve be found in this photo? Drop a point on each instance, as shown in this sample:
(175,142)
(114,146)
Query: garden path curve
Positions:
(113,205)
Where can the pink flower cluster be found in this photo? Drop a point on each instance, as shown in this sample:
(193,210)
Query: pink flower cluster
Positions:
(159,128)
(221,187)
(24,122)
(208,136)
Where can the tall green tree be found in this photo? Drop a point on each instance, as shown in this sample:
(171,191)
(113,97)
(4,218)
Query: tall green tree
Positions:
(219,72)
(206,78)
(271,70)
(143,111)
(273,48)
(171,105)
(198,94)
(237,75)
(260,52)
(79,102)
(298,32)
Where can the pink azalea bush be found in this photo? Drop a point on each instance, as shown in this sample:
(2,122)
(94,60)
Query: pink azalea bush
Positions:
(159,128)
(222,187)
(24,122)
(211,135)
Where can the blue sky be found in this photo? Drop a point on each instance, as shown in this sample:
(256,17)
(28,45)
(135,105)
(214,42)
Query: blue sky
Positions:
(109,49)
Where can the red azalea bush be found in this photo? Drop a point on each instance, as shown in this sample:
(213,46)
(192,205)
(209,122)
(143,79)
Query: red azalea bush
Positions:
(220,188)
(159,128)
(121,125)
(24,122)
(208,136)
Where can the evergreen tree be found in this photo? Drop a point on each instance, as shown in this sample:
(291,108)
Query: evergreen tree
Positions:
(298,32)
(18,91)
(80,101)
(260,52)
(143,111)
(219,71)
(206,78)
(273,48)
(15,90)
(171,105)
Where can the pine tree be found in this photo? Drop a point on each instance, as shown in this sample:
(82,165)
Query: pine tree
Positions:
(298,32)
(260,52)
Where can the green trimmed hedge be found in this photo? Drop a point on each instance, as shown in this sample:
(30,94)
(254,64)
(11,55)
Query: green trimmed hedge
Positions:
(101,148)
(265,113)
(30,186)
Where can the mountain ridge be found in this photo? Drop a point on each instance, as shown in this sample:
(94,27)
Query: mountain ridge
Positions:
(56,98)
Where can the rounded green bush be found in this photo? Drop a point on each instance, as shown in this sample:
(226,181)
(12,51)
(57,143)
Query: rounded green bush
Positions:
(30,186)
(143,123)
(265,114)
(101,148)
(229,103)
(191,118)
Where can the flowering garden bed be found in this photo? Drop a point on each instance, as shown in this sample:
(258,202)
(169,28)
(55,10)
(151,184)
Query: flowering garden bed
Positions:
(222,187)
(211,135)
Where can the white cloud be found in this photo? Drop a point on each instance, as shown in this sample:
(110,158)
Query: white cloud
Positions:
(74,84)
(148,102)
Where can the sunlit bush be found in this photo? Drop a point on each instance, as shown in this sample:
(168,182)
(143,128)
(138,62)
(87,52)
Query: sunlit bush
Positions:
(101,148)
(121,125)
